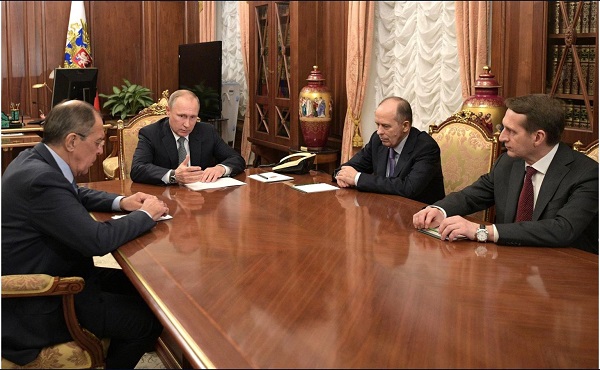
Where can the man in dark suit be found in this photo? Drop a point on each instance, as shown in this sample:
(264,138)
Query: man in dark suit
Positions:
(399,159)
(47,229)
(561,209)
(177,150)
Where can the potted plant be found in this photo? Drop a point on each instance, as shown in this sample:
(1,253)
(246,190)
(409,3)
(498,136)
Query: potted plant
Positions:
(128,100)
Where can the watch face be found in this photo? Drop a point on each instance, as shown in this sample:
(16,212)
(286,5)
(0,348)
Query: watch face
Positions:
(481,235)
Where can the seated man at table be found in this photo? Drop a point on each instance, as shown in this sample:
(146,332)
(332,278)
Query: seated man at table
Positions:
(399,159)
(178,150)
(545,193)
(47,229)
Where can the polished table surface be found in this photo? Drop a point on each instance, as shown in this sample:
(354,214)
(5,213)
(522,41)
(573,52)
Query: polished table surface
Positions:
(264,276)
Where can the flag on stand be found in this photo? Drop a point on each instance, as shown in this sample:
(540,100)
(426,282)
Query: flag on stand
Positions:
(78,52)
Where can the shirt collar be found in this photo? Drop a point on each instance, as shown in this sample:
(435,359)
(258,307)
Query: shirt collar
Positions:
(398,148)
(64,167)
(544,162)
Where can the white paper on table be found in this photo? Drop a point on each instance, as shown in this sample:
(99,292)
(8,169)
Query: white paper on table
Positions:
(314,188)
(270,177)
(162,218)
(222,182)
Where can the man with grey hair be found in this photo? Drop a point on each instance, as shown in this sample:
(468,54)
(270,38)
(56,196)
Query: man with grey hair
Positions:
(545,193)
(179,150)
(47,229)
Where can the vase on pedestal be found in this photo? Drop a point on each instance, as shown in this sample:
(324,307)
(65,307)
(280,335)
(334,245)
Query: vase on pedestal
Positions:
(315,106)
(486,102)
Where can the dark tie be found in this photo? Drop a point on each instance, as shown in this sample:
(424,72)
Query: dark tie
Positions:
(525,207)
(181,153)
(74,185)
(391,161)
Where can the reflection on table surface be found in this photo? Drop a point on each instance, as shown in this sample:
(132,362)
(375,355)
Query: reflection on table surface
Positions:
(262,275)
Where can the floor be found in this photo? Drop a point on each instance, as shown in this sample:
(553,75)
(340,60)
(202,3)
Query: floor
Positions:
(150,360)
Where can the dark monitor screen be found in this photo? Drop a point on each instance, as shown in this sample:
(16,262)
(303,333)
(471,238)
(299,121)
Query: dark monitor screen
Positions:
(74,84)
(200,72)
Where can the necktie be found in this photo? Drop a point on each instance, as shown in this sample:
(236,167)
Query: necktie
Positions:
(74,185)
(525,206)
(181,153)
(391,161)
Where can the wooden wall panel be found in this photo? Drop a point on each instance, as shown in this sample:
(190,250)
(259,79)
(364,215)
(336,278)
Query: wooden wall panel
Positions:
(137,40)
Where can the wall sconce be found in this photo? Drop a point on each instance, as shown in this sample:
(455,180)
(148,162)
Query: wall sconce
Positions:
(39,86)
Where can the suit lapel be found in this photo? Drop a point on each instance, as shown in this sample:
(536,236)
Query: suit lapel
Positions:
(556,172)
(409,146)
(195,145)
(517,175)
(168,141)
(382,157)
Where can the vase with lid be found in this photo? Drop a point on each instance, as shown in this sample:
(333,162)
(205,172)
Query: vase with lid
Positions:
(315,107)
(486,102)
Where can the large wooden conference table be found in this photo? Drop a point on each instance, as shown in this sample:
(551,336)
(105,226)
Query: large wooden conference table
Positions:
(265,276)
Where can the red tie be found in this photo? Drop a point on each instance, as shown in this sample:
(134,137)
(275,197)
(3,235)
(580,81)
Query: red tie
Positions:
(525,207)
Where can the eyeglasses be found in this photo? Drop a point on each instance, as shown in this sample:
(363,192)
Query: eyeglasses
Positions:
(99,143)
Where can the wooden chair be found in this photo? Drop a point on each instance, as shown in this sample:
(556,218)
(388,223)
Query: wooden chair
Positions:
(128,134)
(468,150)
(110,165)
(591,150)
(85,350)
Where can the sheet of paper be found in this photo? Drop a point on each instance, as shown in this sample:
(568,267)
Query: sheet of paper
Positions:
(163,218)
(315,188)
(223,182)
(433,231)
(270,177)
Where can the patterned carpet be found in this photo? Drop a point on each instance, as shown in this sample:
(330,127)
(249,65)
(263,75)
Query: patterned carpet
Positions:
(150,361)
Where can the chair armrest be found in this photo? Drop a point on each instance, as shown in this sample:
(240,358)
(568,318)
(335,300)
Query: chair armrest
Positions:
(115,146)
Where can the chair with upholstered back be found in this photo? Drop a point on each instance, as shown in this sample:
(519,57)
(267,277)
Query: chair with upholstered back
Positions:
(85,350)
(591,150)
(468,150)
(128,134)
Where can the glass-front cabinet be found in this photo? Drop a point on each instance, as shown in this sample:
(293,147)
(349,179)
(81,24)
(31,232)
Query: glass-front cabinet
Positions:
(282,35)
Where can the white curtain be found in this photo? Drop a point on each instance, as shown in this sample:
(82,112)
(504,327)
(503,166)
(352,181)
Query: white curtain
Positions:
(416,58)
(233,65)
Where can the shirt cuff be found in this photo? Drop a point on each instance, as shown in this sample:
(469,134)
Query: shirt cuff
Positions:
(227,170)
(116,204)
(441,209)
(356,177)
(496,236)
(165,178)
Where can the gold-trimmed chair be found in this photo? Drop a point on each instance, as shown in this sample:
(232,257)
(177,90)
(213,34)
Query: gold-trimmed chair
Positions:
(468,150)
(85,350)
(591,150)
(118,162)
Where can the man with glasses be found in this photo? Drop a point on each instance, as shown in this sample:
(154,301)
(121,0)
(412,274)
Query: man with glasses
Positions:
(47,229)
(179,150)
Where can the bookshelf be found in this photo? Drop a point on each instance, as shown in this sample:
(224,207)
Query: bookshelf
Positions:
(571,68)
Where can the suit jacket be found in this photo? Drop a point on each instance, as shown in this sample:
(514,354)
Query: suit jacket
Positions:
(417,175)
(47,229)
(566,210)
(156,152)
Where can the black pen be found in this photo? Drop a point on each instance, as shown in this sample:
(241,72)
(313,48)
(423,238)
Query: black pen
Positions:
(263,176)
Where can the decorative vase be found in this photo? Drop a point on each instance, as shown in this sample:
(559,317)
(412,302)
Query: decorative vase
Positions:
(315,106)
(486,102)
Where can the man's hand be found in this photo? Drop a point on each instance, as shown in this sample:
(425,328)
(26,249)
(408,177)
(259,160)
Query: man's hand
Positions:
(428,217)
(212,174)
(155,207)
(185,174)
(135,201)
(345,177)
(454,226)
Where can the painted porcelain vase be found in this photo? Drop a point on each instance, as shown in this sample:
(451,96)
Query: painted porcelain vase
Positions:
(315,106)
(486,102)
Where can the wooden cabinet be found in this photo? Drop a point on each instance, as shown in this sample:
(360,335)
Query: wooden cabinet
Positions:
(571,64)
(287,38)
(525,38)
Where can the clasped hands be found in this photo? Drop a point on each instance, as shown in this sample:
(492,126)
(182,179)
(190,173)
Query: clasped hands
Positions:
(450,228)
(155,207)
(187,174)
(345,177)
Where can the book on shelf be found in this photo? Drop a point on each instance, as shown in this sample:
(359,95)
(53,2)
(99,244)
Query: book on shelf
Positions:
(585,17)
(593,21)
(571,8)
(568,113)
(568,72)
(591,70)
(556,17)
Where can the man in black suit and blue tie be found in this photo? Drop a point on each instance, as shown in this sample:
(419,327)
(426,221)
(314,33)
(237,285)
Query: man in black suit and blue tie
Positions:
(179,150)
(398,159)
(545,193)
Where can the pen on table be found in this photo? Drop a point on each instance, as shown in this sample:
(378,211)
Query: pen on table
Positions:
(263,176)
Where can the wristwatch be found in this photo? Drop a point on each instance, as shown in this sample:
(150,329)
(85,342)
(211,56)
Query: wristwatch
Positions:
(172,177)
(481,234)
